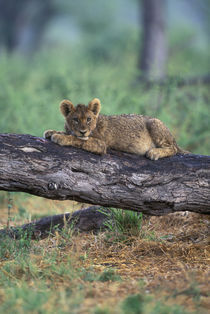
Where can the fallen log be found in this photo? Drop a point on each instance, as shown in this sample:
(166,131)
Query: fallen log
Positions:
(37,166)
(85,220)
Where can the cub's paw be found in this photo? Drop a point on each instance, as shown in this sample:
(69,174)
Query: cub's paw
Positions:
(61,139)
(57,138)
(48,134)
(153,154)
(97,147)
(102,149)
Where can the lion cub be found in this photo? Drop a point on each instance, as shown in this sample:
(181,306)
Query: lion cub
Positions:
(131,133)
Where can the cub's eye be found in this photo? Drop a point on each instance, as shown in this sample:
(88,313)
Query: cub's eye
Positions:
(76,120)
(88,119)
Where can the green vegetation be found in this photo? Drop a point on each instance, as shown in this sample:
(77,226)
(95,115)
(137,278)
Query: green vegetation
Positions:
(141,304)
(123,223)
(108,274)
(45,280)
(133,304)
(71,272)
(32,89)
(61,273)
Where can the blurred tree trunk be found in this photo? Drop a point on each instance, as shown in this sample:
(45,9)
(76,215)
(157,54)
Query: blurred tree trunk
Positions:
(153,57)
(9,15)
(22,23)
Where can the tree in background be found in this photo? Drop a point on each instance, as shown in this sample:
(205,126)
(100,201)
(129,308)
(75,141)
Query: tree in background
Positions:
(22,23)
(153,57)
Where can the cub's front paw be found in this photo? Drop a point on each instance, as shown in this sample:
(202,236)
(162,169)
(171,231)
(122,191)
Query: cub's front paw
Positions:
(48,134)
(61,139)
(102,149)
(153,154)
(57,138)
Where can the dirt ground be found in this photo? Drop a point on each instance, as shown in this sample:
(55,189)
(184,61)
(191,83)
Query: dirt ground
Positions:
(171,261)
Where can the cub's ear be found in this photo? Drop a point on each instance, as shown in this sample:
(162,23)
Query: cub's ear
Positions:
(66,107)
(95,106)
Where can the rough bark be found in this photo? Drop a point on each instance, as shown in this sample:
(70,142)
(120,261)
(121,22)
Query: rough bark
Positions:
(40,167)
(85,220)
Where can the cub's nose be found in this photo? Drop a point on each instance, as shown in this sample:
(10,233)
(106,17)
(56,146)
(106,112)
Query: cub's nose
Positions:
(82,132)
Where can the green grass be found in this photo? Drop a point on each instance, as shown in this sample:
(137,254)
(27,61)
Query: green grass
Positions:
(9,247)
(44,278)
(32,89)
(53,276)
(22,299)
(142,304)
(123,222)
(133,304)
(31,275)
(108,274)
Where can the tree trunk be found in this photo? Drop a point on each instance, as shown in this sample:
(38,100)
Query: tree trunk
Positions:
(37,166)
(153,55)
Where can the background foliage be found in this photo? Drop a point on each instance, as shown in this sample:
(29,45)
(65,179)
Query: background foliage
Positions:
(55,49)
(31,90)
(97,56)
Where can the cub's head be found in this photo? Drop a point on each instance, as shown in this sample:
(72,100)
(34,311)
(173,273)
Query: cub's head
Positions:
(80,120)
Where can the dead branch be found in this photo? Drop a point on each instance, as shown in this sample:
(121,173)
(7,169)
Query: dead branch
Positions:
(85,220)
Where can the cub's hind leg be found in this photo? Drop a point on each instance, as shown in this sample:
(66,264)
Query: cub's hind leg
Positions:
(165,144)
